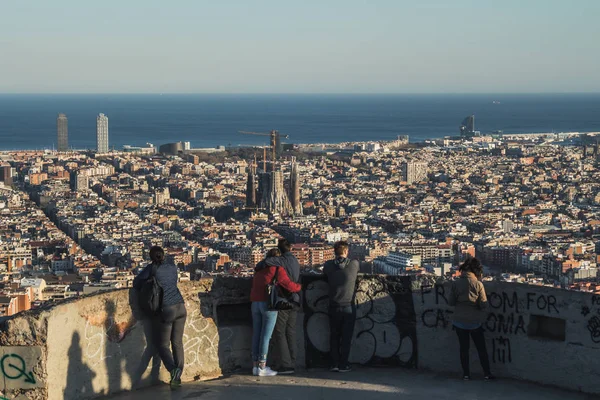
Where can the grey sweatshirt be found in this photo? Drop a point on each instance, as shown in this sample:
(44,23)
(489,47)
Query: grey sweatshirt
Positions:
(167,276)
(341,274)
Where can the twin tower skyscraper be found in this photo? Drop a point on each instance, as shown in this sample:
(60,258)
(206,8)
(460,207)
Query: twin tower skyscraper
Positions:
(62,131)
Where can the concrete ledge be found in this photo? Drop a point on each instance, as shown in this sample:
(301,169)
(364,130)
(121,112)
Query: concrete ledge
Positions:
(97,345)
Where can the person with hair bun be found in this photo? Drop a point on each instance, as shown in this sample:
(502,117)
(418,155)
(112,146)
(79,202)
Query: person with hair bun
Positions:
(468,297)
(169,323)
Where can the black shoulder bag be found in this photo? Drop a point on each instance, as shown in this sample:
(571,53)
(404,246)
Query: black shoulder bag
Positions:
(277,300)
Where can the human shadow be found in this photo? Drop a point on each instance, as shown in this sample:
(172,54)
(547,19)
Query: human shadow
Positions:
(122,357)
(112,352)
(137,367)
(227,303)
(79,374)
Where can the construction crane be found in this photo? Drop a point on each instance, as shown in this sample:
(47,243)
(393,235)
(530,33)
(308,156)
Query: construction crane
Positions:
(275,142)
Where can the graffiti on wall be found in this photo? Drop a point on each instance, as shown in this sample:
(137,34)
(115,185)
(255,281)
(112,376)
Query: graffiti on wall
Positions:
(19,366)
(505,317)
(14,367)
(593,323)
(202,339)
(101,330)
(385,329)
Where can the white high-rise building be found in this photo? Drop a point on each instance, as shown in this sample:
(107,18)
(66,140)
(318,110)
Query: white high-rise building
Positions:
(102,133)
(413,172)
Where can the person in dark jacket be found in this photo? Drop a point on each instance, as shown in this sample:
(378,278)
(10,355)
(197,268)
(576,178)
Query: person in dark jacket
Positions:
(169,324)
(284,335)
(468,297)
(341,274)
(263,319)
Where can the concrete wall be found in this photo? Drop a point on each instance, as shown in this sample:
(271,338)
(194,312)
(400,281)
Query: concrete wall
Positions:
(544,335)
(97,345)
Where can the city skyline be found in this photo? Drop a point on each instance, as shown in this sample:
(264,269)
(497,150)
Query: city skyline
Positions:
(274,47)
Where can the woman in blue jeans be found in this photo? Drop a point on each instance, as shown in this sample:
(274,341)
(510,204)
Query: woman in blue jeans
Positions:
(169,324)
(263,320)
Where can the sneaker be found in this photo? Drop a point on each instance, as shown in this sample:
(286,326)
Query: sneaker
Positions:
(489,377)
(466,378)
(347,368)
(175,378)
(286,371)
(266,371)
(255,371)
(334,369)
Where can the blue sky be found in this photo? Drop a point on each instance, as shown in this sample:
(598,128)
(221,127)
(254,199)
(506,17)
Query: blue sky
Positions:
(311,46)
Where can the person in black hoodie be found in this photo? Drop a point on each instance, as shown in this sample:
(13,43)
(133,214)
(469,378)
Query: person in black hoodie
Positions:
(341,274)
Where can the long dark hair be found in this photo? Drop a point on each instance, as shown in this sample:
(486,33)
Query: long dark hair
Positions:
(473,265)
(273,253)
(157,255)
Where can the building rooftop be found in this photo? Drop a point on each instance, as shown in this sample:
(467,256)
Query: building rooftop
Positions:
(360,384)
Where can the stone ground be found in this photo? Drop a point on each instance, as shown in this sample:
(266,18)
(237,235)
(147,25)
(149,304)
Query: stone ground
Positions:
(360,384)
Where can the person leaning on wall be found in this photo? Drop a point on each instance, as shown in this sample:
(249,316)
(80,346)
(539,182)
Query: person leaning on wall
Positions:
(169,322)
(468,297)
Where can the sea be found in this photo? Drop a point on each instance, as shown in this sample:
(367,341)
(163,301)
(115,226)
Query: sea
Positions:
(29,121)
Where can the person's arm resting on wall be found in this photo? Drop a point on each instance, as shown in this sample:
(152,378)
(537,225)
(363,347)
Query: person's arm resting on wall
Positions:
(138,281)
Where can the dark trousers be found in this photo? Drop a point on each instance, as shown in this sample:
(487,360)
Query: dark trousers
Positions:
(479,341)
(341,325)
(284,340)
(168,333)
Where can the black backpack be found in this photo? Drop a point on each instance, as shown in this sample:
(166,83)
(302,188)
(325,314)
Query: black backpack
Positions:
(151,294)
(278,299)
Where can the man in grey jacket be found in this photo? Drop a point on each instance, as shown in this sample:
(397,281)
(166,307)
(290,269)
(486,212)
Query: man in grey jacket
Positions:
(341,274)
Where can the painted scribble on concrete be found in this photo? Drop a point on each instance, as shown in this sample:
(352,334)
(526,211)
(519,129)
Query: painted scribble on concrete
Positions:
(19,367)
(385,330)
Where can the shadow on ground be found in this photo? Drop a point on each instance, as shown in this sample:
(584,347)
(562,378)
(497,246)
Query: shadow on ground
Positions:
(361,384)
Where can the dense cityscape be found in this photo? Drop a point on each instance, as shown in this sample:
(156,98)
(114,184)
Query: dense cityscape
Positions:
(79,221)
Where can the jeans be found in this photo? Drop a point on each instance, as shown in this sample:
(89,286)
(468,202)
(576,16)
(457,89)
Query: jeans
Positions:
(341,325)
(263,323)
(168,332)
(479,341)
(284,340)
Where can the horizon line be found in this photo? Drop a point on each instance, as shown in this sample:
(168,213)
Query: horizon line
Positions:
(291,93)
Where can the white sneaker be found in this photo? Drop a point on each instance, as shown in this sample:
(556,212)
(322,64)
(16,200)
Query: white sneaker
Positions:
(255,371)
(266,371)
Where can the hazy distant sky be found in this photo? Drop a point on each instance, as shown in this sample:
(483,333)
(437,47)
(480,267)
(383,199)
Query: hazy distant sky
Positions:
(291,46)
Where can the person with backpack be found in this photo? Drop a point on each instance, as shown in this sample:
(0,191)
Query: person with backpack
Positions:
(161,300)
(264,317)
(468,297)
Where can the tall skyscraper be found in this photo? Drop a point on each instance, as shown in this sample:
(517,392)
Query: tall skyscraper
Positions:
(62,131)
(413,171)
(295,188)
(102,133)
(467,128)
